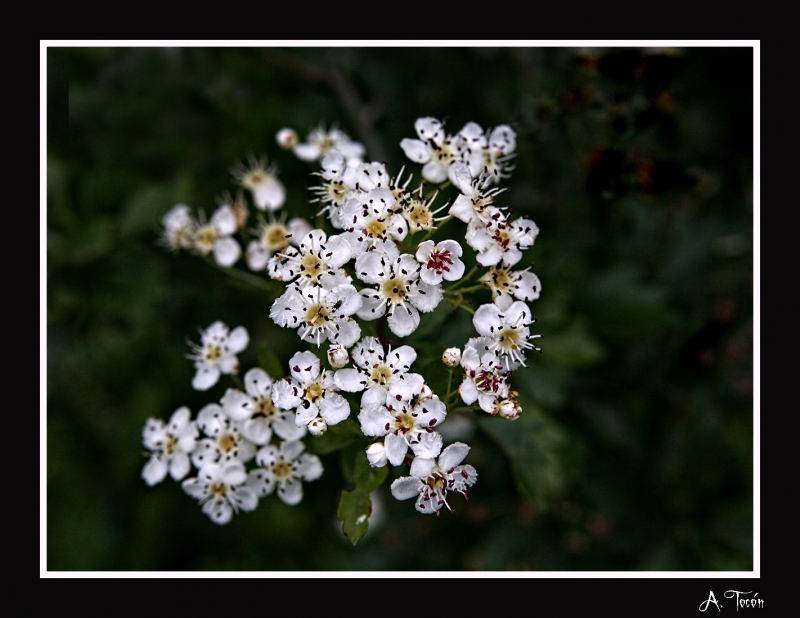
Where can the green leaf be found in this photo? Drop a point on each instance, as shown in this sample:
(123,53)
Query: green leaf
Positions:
(355,506)
(533,446)
(337,437)
(573,348)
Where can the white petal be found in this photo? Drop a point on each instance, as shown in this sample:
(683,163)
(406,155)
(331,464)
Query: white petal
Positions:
(257,430)
(237,405)
(396,449)
(404,320)
(179,466)
(347,332)
(224,220)
(286,394)
(422,467)
(286,429)
(155,470)
(257,256)
(220,511)
(373,419)
(415,150)
(453,455)
(205,378)
(270,195)
(238,339)
(244,498)
(350,380)
(309,467)
(435,172)
(334,408)
(261,482)
(233,473)
(406,487)
(291,491)
(227,251)
(429,445)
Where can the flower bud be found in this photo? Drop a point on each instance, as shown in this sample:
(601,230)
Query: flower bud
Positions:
(287,138)
(338,356)
(317,426)
(451,357)
(508,409)
(376,454)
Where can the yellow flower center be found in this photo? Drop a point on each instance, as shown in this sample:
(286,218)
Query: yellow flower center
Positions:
(316,316)
(395,290)
(274,236)
(205,238)
(282,470)
(380,374)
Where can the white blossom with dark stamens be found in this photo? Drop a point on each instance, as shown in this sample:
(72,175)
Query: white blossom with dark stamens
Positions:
(378,371)
(318,314)
(224,441)
(434,149)
(519,284)
(432,478)
(271,237)
(440,261)
(500,240)
(484,375)
(255,411)
(405,424)
(311,392)
(399,292)
(220,489)
(505,323)
(317,261)
(216,237)
(369,220)
(216,354)
(284,467)
(170,444)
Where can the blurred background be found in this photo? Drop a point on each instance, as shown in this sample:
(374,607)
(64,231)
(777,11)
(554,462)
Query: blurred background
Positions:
(635,447)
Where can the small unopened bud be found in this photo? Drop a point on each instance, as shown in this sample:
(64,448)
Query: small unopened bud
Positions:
(509,409)
(338,356)
(376,455)
(287,138)
(317,426)
(451,357)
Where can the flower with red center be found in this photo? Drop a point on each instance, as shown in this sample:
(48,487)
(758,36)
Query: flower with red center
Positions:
(440,261)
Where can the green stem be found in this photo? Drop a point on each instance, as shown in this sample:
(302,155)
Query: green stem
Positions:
(243,276)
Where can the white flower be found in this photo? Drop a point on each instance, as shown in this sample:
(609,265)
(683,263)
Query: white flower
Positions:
(440,261)
(255,411)
(484,375)
(370,219)
(271,237)
(179,227)
(338,185)
(219,489)
(225,441)
(171,445)
(406,424)
(500,239)
(317,261)
(217,354)
(522,285)
(320,141)
(285,467)
(262,181)
(400,292)
(319,314)
(215,236)
(430,479)
(311,392)
(505,323)
(433,148)
(476,196)
(378,371)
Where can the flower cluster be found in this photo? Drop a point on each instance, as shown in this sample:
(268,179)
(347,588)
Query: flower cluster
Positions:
(381,263)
